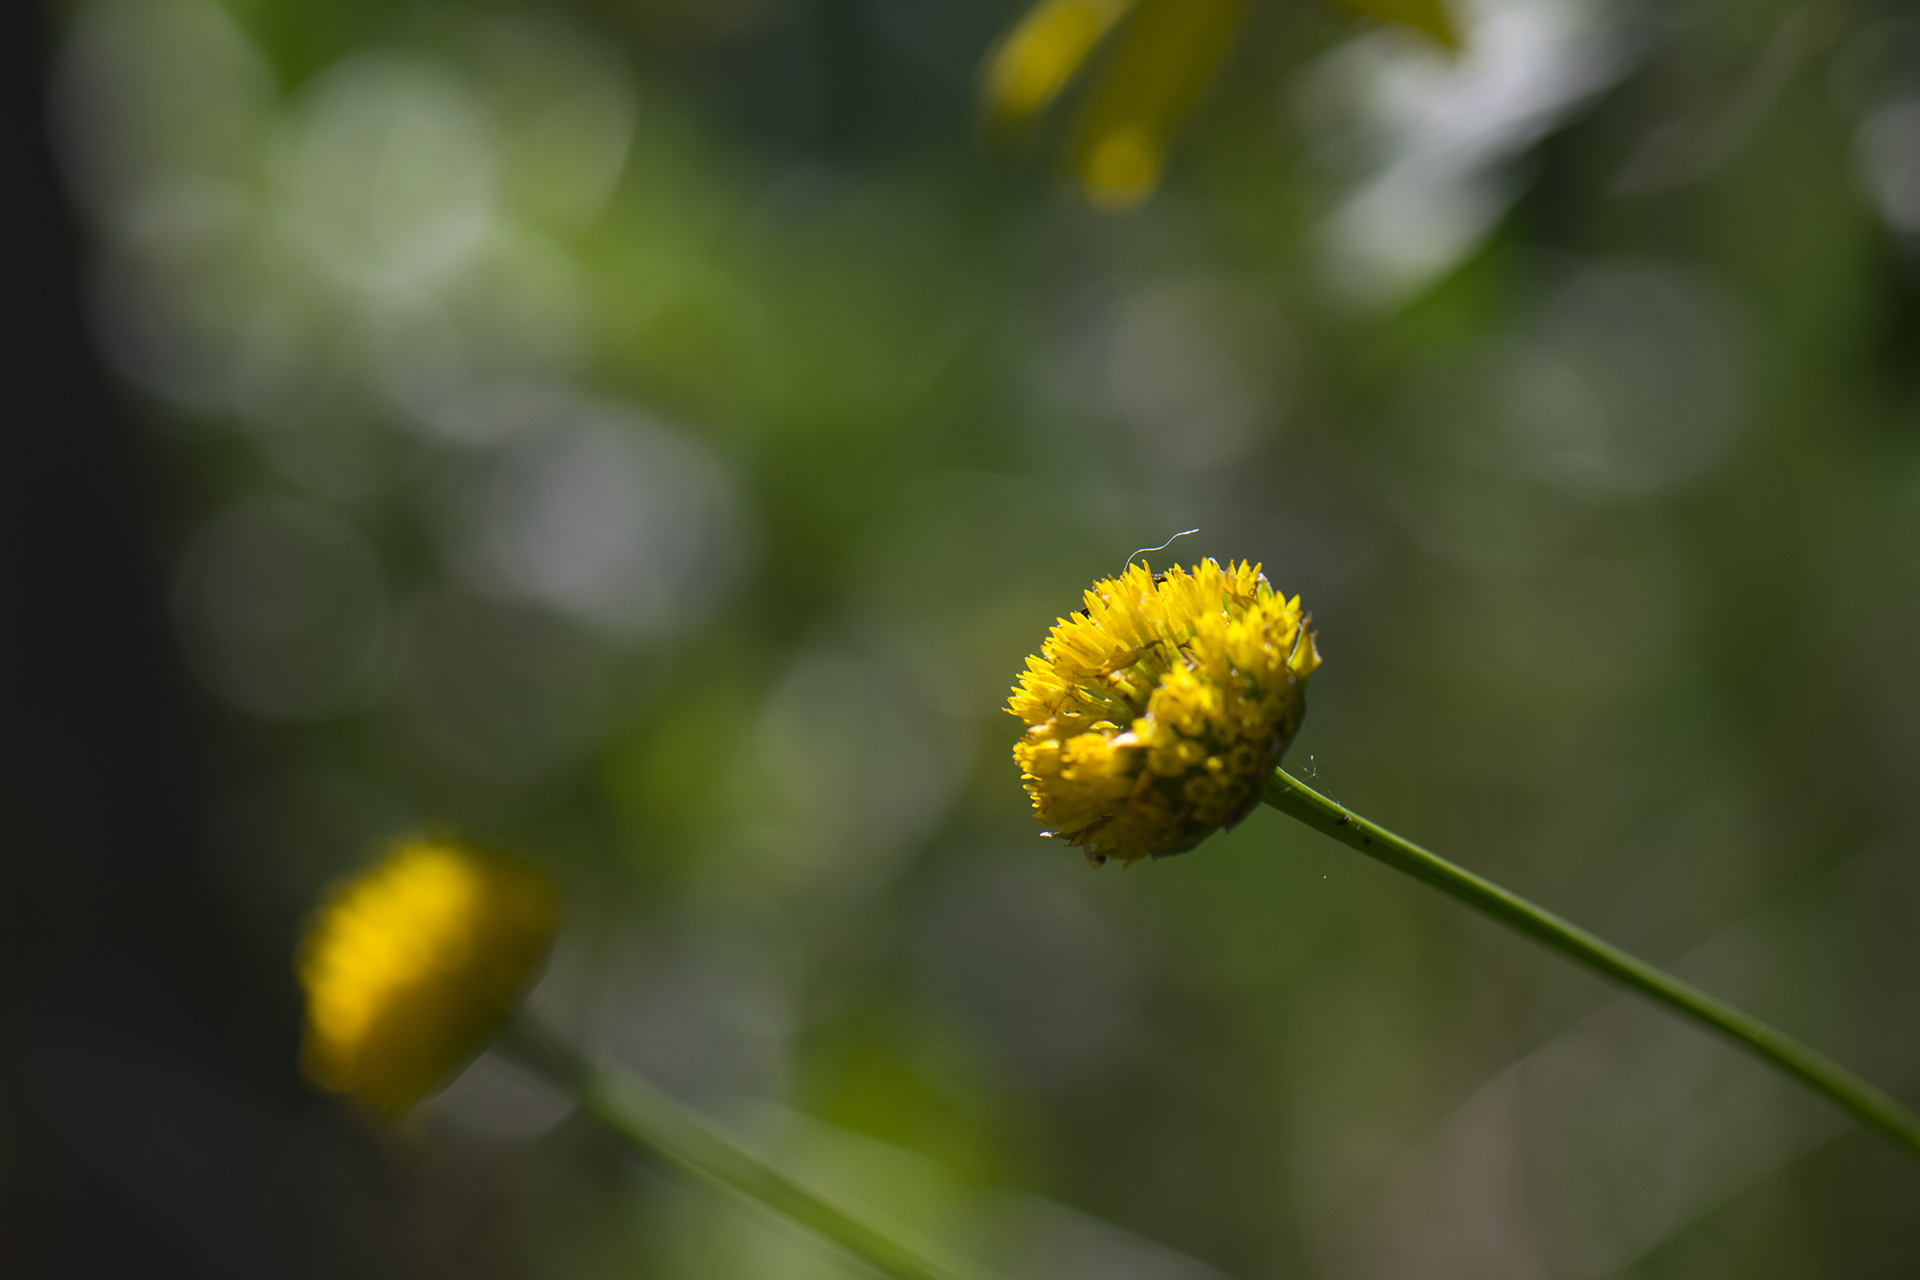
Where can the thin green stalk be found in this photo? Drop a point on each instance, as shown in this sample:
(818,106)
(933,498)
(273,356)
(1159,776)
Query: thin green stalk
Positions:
(642,1116)
(1861,1100)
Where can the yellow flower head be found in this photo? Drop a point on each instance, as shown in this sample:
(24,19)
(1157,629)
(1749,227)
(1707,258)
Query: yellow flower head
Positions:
(413,965)
(1155,713)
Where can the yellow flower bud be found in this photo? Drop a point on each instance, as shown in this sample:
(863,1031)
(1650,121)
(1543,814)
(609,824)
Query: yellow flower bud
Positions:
(412,966)
(1155,714)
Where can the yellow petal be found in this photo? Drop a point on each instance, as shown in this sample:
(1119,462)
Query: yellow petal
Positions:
(1166,59)
(1029,67)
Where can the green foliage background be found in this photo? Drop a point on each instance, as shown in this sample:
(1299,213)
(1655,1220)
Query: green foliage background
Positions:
(1608,515)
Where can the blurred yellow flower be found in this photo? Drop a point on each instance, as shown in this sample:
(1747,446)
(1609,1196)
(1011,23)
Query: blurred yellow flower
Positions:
(412,966)
(1166,57)
(1029,67)
(1155,713)
(1167,54)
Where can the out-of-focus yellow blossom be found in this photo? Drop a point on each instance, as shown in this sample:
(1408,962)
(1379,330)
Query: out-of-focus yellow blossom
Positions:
(1165,60)
(411,967)
(1031,64)
(1156,712)
(1168,52)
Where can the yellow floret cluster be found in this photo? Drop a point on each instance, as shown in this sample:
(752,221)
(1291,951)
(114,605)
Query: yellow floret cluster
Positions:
(412,967)
(1156,712)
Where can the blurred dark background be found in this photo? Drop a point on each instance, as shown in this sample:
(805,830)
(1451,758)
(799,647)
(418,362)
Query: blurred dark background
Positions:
(650,434)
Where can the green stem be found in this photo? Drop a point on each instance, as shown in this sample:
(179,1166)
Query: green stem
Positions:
(1861,1100)
(642,1116)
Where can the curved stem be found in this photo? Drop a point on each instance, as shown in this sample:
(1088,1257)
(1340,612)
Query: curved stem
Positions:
(642,1116)
(1864,1102)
